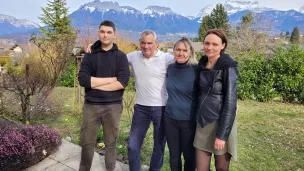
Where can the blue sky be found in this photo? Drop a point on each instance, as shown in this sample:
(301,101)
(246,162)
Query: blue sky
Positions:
(31,9)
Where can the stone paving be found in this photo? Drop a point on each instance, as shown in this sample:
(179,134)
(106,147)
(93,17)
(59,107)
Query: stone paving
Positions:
(67,158)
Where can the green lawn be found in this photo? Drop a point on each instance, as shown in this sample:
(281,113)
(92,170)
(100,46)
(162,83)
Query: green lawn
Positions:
(270,135)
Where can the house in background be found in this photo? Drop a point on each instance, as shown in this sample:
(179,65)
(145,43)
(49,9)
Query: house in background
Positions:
(4,58)
(4,51)
(167,47)
(13,54)
(19,51)
(197,46)
(8,42)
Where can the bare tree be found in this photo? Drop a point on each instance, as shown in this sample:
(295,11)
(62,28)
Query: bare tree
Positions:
(87,36)
(38,72)
(55,54)
(251,34)
(128,103)
(25,81)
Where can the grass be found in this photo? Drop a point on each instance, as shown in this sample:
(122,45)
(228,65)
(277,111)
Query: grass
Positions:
(270,135)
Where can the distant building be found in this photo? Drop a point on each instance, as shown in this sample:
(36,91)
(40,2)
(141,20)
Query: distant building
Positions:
(1,69)
(197,46)
(4,58)
(18,51)
(4,51)
(13,54)
(167,47)
(7,41)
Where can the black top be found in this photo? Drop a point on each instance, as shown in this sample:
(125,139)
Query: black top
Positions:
(218,94)
(182,88)
(101,64)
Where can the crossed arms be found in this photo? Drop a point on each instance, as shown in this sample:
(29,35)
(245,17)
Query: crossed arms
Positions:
(105,84)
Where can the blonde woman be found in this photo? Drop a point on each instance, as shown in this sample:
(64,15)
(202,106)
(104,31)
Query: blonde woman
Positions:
(179,119)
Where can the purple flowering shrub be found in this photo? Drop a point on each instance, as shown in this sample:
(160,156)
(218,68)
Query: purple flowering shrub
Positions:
(26,146)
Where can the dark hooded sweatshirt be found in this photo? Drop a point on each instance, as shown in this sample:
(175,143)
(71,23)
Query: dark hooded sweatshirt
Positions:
(102,64)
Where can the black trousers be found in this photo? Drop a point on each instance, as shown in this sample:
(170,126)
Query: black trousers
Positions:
(180,136)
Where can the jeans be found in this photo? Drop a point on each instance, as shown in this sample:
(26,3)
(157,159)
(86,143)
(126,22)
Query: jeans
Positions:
(143,115)
(93,116)
(180,135)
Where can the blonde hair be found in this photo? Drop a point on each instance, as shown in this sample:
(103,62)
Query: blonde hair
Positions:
(189,45)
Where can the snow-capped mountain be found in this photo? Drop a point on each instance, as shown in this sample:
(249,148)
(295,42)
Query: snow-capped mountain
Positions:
(191,17)
(161,19)
(280,20)
(11,25)
(277,21)
(301,10)
(205,11)
(128,9)
(158,10)
(233,6)
(17,23)
(100,6)
(164,20)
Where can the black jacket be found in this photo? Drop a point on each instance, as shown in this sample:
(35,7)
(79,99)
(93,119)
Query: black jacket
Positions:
(218,94)
(101,63)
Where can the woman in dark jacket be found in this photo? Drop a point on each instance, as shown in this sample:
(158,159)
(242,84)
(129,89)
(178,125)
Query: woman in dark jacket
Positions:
(179,119)
(216,128)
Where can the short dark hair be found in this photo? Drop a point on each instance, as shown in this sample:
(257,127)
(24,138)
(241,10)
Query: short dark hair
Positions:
(108,23)
(221,34)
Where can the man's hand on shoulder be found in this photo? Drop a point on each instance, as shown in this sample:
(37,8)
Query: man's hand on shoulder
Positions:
(89,48)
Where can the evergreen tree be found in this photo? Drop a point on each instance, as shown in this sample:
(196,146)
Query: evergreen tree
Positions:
(55,18)
(287,34)
(247,19)
(295,35)
(205,25)
(58,40)
(217,19)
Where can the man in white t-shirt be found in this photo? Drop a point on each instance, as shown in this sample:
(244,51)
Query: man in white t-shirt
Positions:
(149,67)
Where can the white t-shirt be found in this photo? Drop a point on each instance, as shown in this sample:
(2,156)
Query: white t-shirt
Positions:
(150,77)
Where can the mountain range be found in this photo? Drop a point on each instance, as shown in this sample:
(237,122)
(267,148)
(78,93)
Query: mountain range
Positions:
(11,25)
(163,20)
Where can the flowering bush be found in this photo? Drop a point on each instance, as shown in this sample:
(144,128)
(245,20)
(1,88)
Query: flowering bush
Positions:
(26,146)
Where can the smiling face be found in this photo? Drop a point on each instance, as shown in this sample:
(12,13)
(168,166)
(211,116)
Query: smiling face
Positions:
(106,35)
(213,46)
(182,52)
(148,45)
